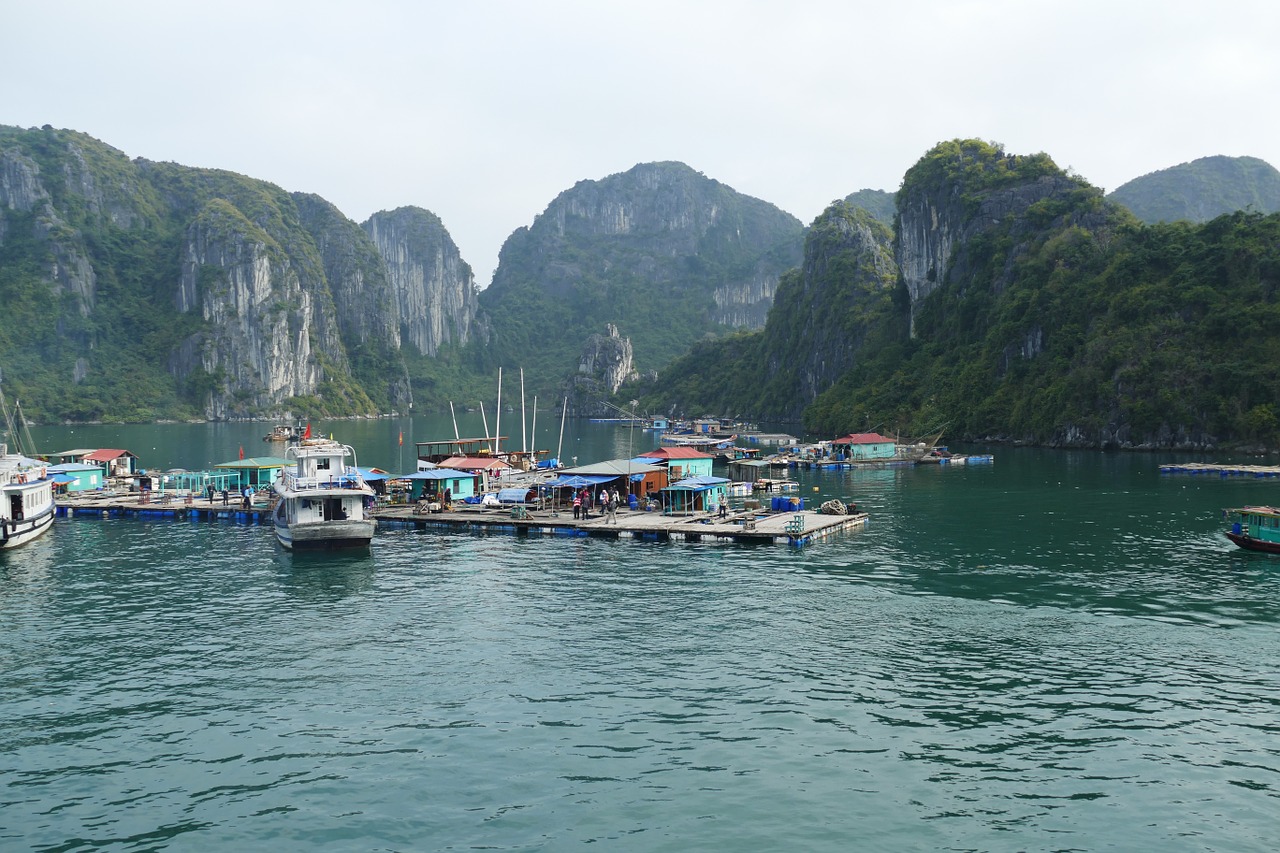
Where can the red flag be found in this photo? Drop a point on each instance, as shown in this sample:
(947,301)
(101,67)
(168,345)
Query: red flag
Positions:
(402,438)
(242,451)
(307,433)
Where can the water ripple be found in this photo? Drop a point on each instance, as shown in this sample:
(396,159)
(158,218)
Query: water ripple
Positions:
(184,686)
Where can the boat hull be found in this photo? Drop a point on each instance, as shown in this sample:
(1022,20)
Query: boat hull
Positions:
(1251,544)
(326,535)
(15,533)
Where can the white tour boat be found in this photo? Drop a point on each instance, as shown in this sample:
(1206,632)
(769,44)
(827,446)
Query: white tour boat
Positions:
(323,500)
(26,498)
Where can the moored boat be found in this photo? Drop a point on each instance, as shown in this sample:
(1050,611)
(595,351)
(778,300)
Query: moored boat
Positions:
(323,501)
(1254,528)
(286,434)
(26,498)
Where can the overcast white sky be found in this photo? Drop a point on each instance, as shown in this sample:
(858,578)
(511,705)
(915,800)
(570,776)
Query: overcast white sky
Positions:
(483,112)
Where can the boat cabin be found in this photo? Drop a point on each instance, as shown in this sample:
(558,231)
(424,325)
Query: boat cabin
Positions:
(1260,523)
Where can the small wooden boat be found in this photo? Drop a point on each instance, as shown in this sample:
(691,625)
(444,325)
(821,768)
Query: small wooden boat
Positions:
(1254,528)
(286,434)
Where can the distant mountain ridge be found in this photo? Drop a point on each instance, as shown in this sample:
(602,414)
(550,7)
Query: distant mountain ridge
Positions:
(1202,190)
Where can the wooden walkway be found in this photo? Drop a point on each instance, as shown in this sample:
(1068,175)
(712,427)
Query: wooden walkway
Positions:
(759,526)
(789,528)
(104,505)
(1197,468)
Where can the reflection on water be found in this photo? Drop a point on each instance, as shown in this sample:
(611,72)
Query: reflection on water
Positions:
(325,575)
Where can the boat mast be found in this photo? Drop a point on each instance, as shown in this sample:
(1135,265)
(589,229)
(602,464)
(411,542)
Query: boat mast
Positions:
(497,418)
(524,447)
(454,415)
(560,446)
(533,428)
(484,419)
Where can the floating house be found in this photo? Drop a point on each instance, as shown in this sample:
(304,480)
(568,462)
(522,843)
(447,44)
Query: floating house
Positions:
(257,472)
(695,494)
(489,469)
(681,462)
(432,483)
(112,463)
(749,470)
(864,447)
(77,476)
(116,463)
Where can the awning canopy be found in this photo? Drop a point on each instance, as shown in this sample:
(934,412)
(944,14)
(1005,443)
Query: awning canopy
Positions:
(439,474)
(372,473)
(578,481)
(62,479)
(512,496)
(698,484)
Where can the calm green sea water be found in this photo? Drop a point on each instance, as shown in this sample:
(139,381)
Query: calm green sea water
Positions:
(1057,652)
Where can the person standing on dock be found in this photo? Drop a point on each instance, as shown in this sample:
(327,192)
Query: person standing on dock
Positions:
(248,497)
(225,497)
(577,505)
(210,490)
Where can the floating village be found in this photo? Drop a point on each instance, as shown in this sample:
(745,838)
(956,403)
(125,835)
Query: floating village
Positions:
(313,492)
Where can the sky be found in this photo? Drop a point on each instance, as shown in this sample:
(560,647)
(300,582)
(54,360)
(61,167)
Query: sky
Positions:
(484,112)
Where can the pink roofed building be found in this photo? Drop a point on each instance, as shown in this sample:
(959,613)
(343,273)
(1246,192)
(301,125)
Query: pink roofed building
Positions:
(864,445)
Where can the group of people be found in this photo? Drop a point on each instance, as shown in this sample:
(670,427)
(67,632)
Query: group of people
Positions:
(607,502)
(246,496)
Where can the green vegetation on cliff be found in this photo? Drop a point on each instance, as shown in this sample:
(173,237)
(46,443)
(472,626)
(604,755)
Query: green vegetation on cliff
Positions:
(1061,321)
(664,253)
(101,314)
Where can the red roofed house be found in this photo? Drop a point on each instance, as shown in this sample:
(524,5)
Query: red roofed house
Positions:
(864,445)
(682,462)
(489,468)
(114,463)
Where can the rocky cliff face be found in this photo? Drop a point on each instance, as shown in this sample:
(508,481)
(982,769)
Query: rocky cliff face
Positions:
(606,362)
(433,289)
(662,252)
(608,359)
(823,314)
(257,337)
(364,299)
(938,228)
(67,267)
(165,291)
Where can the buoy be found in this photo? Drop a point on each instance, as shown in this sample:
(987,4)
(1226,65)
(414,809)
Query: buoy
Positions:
(815,488)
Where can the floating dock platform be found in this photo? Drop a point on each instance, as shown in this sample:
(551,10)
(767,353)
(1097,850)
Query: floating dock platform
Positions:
(132,504)
(793,527)
(1200,468)
(798,527)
